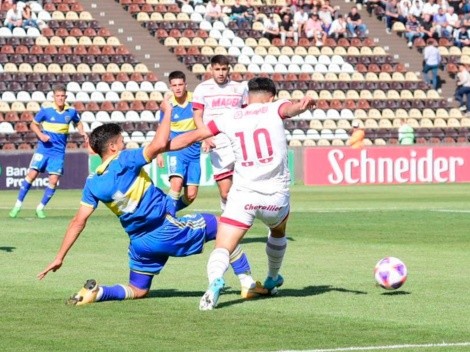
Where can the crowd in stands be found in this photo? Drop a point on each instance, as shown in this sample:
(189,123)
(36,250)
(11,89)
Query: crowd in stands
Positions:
(310,19)
(21,15)
(295,25)
(420,20)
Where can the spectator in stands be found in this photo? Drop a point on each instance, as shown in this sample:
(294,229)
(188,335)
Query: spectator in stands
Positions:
(430,7)
(465,6)
(392,14)
(432,61)
(452,20)
(250,14)
(406,133)
(416,8)
(308,5)
(271,28)
(338,28)
(29,18)
(427,27)
(238,13)
(287,29)
(462,36)
(412,30)
(14,17)
(313,29)
(463,87)
(289,8)
(300,18)
(440,23)
(371,6)
(213,11)
(404,7)
(356,141)
(326,15)
(354,23)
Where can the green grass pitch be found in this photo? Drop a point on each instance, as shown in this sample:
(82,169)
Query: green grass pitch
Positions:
(329,299)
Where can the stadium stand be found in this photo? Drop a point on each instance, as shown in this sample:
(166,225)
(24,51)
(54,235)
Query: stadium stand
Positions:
(353,77)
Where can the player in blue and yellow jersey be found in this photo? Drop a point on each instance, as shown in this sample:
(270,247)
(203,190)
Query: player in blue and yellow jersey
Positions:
(143,210)
(51,125)
(184,166)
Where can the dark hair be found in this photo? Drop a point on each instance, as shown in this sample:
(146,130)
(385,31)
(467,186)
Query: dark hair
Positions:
(220,59)
(176,75)
(59,88)
(102,135)
(261,85)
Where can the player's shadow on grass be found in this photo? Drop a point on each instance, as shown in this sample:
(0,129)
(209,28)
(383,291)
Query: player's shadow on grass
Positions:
(7,249)
(288,292)
(304,292)
(171,293)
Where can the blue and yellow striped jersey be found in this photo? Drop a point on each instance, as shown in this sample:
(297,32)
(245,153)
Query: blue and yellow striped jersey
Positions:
(55,124)
(126,189)
(182,121)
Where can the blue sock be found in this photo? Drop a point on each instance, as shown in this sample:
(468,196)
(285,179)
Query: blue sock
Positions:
(25,186)
(112,293)
(239,262)
(182,203)
(48,193)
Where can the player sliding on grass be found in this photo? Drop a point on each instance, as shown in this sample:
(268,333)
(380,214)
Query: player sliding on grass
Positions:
(260,183)
(145,212)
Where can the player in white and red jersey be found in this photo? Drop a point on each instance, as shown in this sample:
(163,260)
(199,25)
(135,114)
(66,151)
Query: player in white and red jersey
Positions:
(260,184)
(213,98)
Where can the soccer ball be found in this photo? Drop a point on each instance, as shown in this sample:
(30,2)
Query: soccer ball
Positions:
(390,273)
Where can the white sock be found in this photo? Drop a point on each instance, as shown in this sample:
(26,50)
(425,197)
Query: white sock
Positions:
(275,249)
(219,261)
(40,206)
(18,204)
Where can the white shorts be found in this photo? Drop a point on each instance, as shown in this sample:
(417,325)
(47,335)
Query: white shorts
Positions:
(244,206)
(222,157)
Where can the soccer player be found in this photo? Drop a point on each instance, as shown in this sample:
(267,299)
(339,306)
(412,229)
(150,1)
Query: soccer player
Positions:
(127,190)
(51,125)
(213,98)
(184,166)
(260,184)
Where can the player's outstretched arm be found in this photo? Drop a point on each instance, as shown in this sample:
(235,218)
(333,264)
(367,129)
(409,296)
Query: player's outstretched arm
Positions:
(74,230)
(289,110)
(188,138)
(159,143)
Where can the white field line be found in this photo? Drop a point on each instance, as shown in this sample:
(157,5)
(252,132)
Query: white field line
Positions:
(390,347)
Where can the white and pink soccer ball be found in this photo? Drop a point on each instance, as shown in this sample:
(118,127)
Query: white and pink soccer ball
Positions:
(390,273)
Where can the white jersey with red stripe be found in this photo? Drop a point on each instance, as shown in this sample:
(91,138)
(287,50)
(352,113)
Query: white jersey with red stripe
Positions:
(214,99)
(257,135)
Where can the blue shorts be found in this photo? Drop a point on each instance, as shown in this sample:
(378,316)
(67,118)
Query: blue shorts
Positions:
(52,164)
(188,169)
(176,237)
